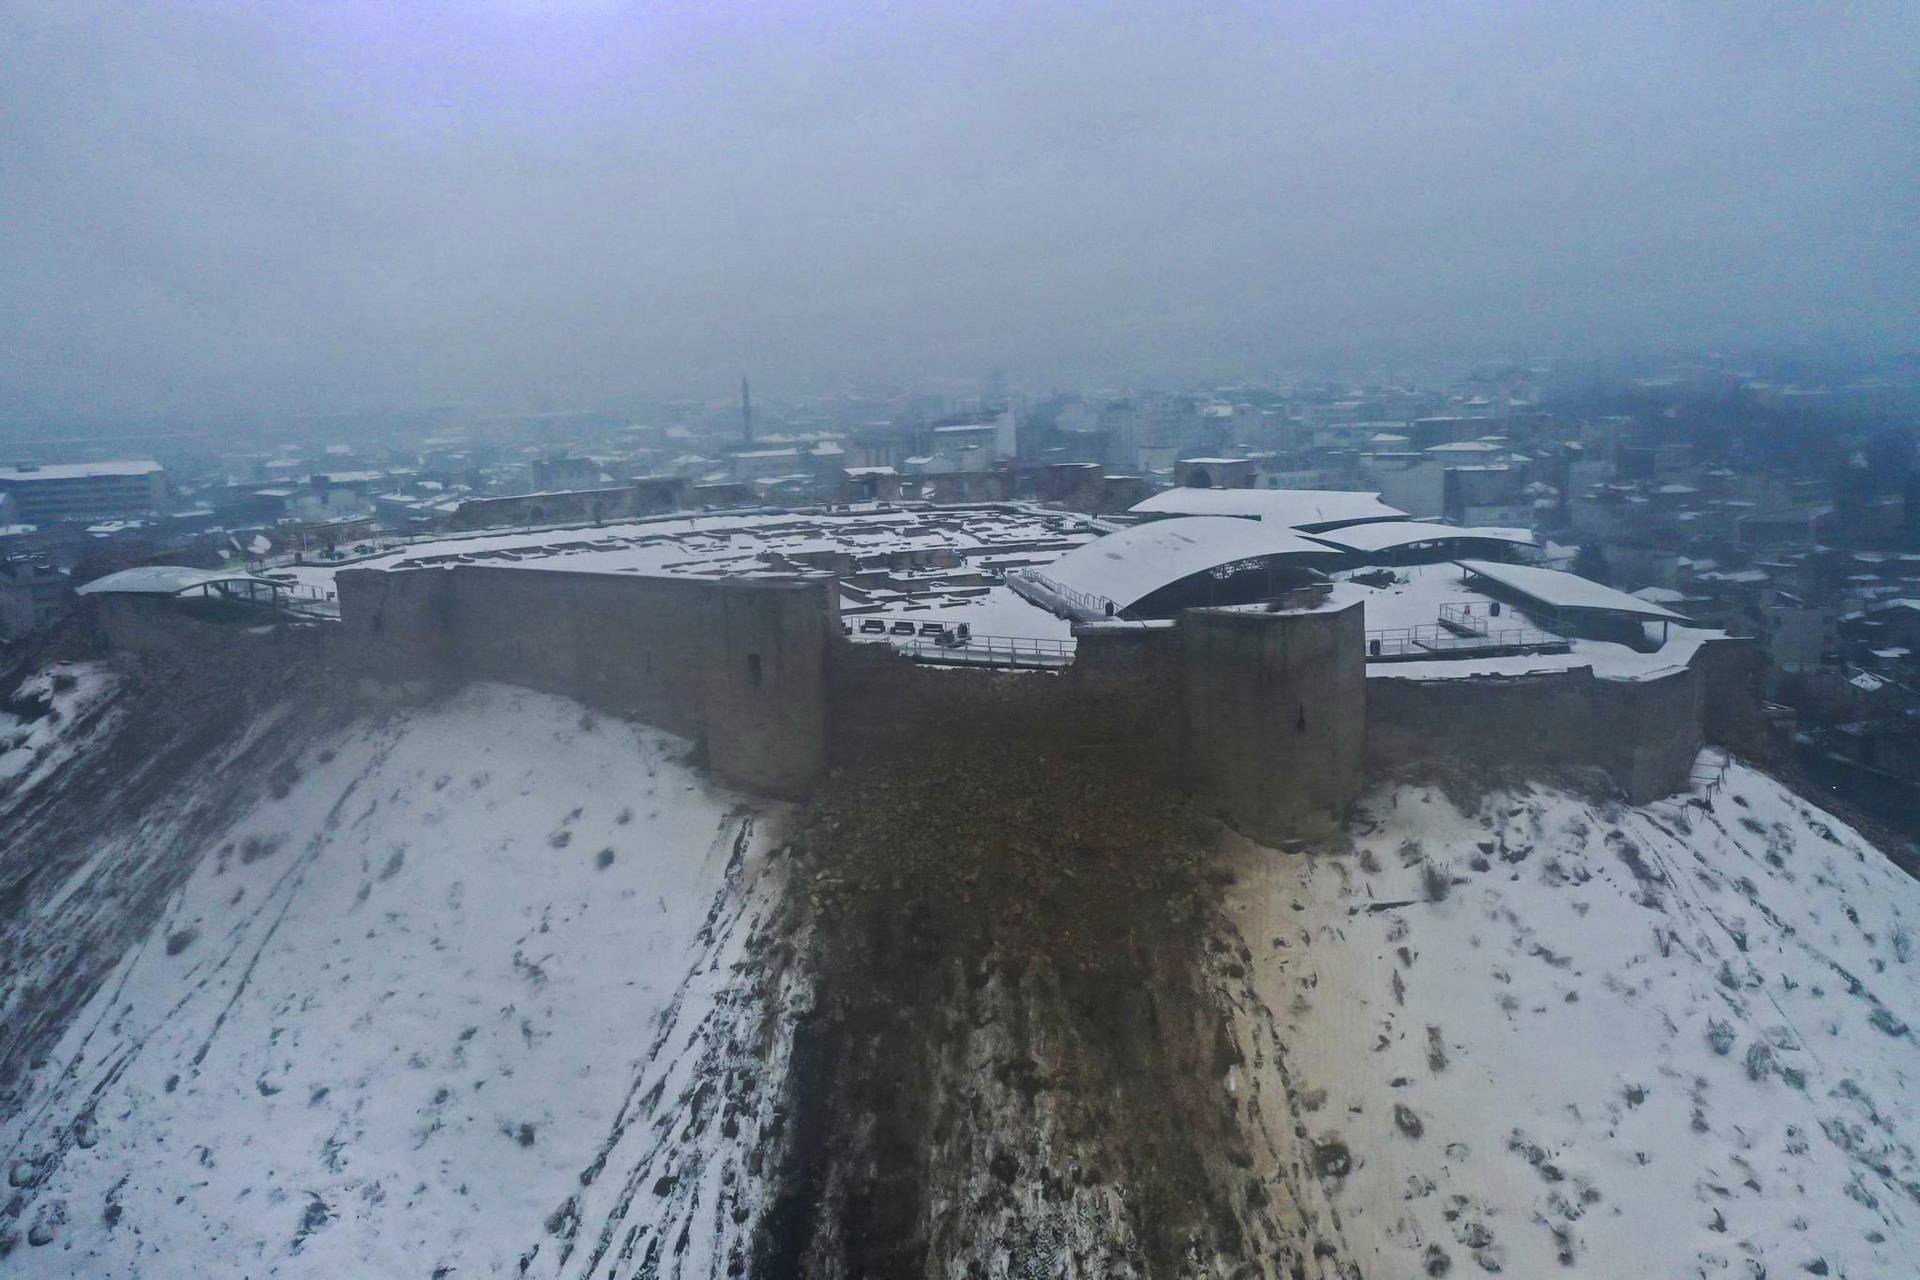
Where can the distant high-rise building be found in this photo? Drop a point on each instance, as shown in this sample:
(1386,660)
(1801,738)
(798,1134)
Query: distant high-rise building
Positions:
(746,407)
(85,490)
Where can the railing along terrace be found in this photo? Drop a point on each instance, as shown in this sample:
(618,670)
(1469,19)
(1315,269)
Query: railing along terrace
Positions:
(1464,617)
(990,651)
(1434,640)
(1098,606)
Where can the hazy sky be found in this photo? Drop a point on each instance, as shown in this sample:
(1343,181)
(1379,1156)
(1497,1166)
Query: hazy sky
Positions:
(272,206)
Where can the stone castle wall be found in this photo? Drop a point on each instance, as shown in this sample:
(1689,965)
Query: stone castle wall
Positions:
(1276,710)
(1268,717)
(736,664)
(1644,733)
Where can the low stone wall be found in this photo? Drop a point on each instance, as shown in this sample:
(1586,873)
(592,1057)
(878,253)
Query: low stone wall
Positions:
(737,664)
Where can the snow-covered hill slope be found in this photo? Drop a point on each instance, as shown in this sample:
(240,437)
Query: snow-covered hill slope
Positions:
(393,1009)
(1539,1035)
(488,985)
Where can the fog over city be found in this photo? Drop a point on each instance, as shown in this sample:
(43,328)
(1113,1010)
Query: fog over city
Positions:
(273,208)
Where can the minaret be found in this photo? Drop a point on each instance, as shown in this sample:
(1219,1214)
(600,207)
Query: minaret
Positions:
(746,408)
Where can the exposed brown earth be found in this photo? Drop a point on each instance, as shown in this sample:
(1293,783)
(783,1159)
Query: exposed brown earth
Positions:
(1019,1055)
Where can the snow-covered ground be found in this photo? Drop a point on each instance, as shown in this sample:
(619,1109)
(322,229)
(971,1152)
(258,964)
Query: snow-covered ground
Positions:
(491,985)
(1544,1036)
(1416,596)
(65,695)
(750,542)
(393,1013)
(711,543)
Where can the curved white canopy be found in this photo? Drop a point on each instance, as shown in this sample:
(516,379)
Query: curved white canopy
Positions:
(1128,566)
(166,580)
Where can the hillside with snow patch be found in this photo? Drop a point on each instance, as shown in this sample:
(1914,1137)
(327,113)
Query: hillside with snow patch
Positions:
(392,1011)
(486,984)
(1535,1035)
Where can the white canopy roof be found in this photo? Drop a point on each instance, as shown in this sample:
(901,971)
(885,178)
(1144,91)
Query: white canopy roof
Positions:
(1560,590)
(1382,535)
(166,580)
(1127,566)
(1294,508)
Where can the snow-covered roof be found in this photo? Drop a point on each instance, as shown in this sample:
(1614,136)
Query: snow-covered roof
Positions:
(1294,508)
(166,580)
(1127,566)
(1560,590)
(1466,446)
(82,470)
(1383,535)
(1660,595)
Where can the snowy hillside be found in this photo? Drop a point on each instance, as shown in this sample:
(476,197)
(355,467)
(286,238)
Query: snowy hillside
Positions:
(393,1011)
(1544,1036)
(56,713)
(490,985)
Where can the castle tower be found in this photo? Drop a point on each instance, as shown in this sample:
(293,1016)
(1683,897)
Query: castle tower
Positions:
(1276,714)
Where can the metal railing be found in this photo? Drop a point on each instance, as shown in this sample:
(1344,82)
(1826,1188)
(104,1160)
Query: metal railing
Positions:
(305,599)
(989,651)
(1709,771)
(1463,617)
(1436,641)
(1093,606)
